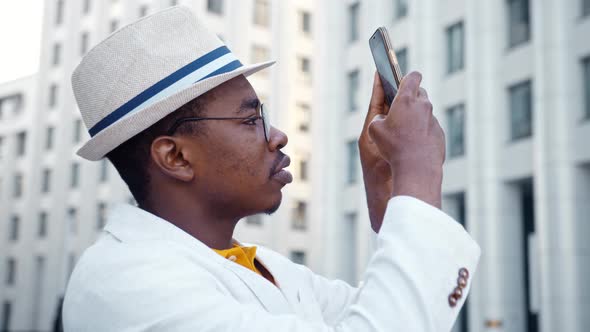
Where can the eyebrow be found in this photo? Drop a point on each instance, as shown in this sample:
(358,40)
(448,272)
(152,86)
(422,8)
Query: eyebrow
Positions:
(248,104)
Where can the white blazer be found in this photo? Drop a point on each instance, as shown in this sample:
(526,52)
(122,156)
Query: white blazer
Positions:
(145,274)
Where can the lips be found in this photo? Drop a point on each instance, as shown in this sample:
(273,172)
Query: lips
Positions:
(280,174)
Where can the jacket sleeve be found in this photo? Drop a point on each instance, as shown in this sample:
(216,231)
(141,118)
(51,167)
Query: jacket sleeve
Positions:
(408,280)
(406,286)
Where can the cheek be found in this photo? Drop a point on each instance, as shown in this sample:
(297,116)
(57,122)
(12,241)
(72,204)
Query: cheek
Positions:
(241,162)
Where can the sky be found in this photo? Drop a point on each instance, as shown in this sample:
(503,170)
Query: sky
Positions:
(20,38)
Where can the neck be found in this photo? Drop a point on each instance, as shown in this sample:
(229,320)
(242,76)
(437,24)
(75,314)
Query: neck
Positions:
(214,230)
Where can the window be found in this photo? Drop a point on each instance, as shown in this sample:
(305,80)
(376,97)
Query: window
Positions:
(353,18)
(215,6)
(56,58)
(143,10)
(305,18)
(173,2)
(518,22)
(299,221)
(455,47)
(75,175)
(585,7)
(255,220)
(351,176)
(13,104)
(84,43)
(298,257)
(521,110)
(353,90)
(260,54)
(1,147)
(104,170)
(401,8)
(73,220)
(46,181)
(402,59)
(101,215)
(39,278)
(303,169)
(59,12)
(49,138)
(77,130)
(52,102)
(18,186)
(42,226)
(10,271)
(305,67)
(114,25)
(456,131)
(87,6)
(14,228)
(586,71)
(304,117)
(21,144)
(262,13)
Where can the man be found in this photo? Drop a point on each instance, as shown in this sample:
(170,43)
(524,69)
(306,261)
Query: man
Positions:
(171,107)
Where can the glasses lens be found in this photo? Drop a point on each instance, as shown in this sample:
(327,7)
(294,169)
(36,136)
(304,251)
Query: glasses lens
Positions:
(265,122)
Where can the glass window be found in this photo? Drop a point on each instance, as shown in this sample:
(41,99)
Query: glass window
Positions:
(143,11)
(351,176)
(401,8)
(75,175)
(21,144)
(46,181)
(305,67)
(101,215)
(84,43)
(262,13)
(77,130)
(49,134)
(521,110)
(303,169)
(73,220)
(173,2)
(52,95)
(305,17)
(114,25)
(42,227)
(402,59)
(586,71)
(353,90)
(518,22)
(348,235)
(59,12)
(56,58)
(10,271)
(18,186)
(255,220)
(455,47)
(14,228)
(1,148)
(87,6)
(298,257)
(299,221)
(260,54)
(353,18)
(215,6)
(304,117)
(456,131)
(104,170)
(585,7)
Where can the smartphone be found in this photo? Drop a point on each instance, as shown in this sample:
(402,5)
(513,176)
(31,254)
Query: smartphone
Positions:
(386,63)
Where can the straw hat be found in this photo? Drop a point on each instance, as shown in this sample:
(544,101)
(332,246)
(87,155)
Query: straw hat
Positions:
(145,71)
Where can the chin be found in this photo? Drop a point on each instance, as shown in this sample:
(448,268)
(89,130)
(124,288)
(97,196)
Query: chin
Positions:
(273,208)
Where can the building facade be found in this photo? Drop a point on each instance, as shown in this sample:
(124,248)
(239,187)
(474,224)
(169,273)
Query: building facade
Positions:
(57,203)
(510,85)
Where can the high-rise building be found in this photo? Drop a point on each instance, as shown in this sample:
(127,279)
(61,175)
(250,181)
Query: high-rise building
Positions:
(509,83)
(54,204)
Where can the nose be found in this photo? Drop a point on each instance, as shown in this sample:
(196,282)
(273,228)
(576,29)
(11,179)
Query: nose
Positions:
(277,139)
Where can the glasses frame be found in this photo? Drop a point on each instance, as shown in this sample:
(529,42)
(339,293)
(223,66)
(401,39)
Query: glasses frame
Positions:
(259,109)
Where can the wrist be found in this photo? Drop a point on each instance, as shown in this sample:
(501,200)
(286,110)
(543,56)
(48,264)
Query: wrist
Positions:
(423,183)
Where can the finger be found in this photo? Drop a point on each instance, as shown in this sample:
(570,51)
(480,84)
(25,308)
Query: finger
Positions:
(422,93)
(410,84)
(378,95)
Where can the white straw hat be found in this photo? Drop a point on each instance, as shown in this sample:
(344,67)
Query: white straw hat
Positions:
(144,72)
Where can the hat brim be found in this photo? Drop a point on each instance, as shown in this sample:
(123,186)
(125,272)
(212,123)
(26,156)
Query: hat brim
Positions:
(116,134)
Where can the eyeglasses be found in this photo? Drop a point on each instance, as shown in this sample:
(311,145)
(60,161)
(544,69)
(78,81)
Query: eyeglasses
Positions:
(260,109)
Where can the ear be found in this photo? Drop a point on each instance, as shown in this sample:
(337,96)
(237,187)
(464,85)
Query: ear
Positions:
(168,157)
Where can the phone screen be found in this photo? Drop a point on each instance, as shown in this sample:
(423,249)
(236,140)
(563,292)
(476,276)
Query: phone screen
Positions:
(383,67)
